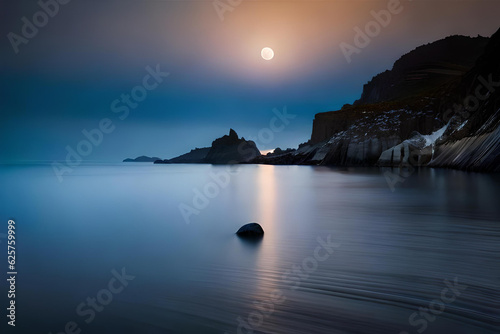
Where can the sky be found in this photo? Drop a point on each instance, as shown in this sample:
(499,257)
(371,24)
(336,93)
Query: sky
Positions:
(66,75)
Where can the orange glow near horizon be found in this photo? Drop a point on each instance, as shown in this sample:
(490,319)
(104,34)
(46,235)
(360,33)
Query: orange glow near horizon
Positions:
(264,152)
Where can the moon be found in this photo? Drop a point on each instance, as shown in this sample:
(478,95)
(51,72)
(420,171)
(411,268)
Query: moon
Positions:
(267,53)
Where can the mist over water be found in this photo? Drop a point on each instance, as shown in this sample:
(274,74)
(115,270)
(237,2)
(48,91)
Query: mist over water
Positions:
(395,252)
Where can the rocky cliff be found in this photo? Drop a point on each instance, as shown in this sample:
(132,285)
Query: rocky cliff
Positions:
(472,140)
(408,115)
(424,69)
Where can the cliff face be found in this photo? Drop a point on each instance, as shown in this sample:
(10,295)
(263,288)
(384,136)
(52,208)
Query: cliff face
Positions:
(407,116)
(472,140)
(398,118)
(424,69)
(412,84)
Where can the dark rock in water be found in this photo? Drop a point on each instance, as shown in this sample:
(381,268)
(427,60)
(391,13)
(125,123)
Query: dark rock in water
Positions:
(250,230)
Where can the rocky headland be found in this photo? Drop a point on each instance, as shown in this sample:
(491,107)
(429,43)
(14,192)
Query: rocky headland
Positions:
(229,149)
(438,106)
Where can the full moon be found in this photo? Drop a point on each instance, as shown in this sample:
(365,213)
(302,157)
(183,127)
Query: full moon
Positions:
(267,53)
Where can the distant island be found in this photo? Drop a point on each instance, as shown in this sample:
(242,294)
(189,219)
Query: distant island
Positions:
(438,106)
(142,158)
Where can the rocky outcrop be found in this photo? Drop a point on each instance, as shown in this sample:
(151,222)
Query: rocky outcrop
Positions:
(361,140)
(399,118)
(475,153)
(231,149)
(416,151)
(302,156)
(142,158)
(414,84)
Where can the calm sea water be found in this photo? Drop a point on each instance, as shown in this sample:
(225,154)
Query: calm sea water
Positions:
(392,260)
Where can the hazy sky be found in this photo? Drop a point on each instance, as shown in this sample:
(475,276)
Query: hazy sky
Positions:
(66,76)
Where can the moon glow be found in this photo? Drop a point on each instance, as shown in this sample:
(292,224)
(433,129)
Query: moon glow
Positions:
(267,53)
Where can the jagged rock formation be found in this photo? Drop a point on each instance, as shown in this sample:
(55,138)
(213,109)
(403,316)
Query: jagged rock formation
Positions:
(231,149)
(474,153)
(416,151)
(397,118)
(278,151)
(142,158)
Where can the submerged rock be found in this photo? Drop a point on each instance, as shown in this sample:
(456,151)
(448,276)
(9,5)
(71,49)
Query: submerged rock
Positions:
(250,230)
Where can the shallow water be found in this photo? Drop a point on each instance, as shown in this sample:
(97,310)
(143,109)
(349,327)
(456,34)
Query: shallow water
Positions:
(391,252)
